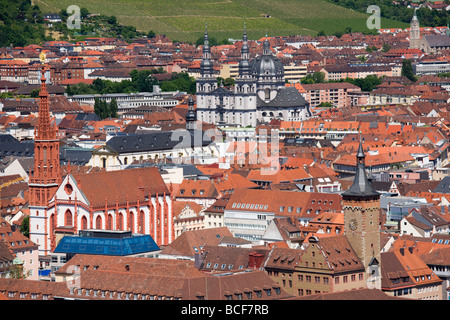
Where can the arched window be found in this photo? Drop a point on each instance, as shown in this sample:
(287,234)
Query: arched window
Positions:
(68,222)
(98,222)
(131,224)
(84,222)
(267,94)
(110,222)
(120,226)
(141,222)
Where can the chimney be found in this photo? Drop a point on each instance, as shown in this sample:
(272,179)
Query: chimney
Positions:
(255,259)
(199,258)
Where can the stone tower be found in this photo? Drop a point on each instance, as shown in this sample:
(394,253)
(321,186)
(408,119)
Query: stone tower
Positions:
(361,205)
(414,33)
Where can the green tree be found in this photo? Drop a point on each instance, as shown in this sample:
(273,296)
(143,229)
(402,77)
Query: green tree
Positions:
(112,20)
(113,108)
(101,108)
(34,93)
(25,226)
(84,12)
(325,105)
(142,80)
(407,70)
(316,77)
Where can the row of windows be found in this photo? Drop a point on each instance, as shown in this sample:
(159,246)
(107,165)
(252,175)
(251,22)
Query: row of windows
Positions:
(249,206)
(317,279)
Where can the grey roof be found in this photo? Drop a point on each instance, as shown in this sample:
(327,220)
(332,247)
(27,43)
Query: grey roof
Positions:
(221,92)
(266,65)
(436,40)
(166,140)
(443,186)
(17,149)
(77,156)
(286,97)
(361,186)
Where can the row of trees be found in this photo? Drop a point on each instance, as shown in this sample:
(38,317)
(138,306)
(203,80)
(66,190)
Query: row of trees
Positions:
(106,110)
(141,81)
(366,84)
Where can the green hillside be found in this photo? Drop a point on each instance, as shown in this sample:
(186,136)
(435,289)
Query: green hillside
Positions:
(185,20)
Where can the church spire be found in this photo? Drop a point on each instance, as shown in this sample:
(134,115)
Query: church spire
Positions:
(46,175)
(244,64)
(44,131)
(191,115)
(206,66)
(361,186)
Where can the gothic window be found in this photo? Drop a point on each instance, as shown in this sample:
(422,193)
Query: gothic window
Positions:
(120,226)
(131,222)
(141,222)
(45,155)
(84,223)
(98,222)
(68,218)
(110,222)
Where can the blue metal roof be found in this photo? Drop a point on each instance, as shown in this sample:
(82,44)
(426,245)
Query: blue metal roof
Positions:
(107,246)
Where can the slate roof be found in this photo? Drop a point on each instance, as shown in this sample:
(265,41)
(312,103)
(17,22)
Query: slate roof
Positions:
(286,97)
(18,149)
(361,185)
(76,156)
(443,186)
(156,141)
(436,40)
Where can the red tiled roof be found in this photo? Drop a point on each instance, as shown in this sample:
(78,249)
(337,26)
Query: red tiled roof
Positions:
(123,185)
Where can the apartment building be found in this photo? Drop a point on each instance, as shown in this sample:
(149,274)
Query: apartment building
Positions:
(335,93)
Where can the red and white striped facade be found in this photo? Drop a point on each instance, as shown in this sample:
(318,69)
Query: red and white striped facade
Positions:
(70,211)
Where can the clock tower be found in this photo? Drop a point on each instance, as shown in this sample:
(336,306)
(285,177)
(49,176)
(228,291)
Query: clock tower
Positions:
(361,204)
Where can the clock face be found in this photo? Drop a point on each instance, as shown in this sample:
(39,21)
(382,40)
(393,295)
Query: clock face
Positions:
(353,224)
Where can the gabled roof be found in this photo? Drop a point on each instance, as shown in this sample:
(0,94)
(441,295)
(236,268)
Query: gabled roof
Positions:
(443,186)
(191,242)
(107,187)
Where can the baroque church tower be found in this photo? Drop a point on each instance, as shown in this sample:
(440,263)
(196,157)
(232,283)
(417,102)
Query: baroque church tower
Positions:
(46,175)
(414,33)
(207,82)
(361,204)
